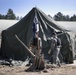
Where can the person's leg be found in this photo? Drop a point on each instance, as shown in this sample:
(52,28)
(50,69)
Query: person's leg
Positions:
(57,57)
(54,56)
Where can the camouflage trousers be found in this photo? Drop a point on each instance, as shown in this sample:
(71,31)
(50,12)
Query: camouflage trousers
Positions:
(56,52)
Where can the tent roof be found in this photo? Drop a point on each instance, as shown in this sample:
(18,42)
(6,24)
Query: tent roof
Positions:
(62,25)
(54,24)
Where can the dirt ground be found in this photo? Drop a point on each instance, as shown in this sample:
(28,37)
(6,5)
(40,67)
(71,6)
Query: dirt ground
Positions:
(67,69)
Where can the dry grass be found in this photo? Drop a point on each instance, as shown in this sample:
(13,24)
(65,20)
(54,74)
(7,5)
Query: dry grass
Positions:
(17,70)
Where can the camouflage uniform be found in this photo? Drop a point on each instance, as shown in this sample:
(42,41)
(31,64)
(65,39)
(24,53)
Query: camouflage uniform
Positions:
(55,48)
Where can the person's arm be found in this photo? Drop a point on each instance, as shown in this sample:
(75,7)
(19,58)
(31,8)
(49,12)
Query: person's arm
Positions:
(49,51)
(40,43)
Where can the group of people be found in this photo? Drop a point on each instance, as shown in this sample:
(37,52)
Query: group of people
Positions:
(55,45)
(36,43)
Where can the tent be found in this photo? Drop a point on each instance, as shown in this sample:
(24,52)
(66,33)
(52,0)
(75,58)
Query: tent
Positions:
(12,48)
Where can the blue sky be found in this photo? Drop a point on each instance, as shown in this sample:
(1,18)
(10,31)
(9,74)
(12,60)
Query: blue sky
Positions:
(22,7)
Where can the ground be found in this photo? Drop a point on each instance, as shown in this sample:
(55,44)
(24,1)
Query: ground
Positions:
(67,69)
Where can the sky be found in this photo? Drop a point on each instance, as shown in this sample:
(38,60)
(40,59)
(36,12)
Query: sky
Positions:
(51,7)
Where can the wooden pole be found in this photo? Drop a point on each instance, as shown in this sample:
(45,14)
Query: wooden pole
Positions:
(25,46)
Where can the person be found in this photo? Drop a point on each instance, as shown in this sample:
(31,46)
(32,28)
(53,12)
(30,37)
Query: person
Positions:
(35,46)
(55,48)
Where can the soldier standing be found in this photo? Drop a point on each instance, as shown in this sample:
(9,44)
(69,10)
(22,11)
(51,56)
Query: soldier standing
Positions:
(55,48)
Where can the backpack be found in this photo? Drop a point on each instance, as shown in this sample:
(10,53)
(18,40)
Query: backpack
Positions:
(58,42)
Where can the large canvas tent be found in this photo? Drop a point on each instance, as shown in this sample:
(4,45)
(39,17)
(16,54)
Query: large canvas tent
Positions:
(12,48)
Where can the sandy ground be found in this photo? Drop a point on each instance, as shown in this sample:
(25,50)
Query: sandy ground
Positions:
(69,69)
